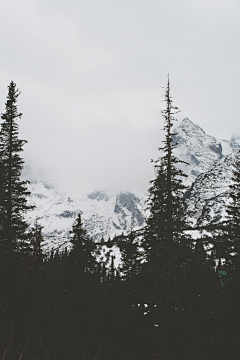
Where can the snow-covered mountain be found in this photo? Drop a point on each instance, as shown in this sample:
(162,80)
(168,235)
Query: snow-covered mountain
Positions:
(104,215)
(209,193)
(211,163)
(196,148)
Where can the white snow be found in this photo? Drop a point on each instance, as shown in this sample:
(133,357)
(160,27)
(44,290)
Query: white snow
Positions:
(209,172)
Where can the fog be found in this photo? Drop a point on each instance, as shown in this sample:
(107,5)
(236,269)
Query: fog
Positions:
(91,75)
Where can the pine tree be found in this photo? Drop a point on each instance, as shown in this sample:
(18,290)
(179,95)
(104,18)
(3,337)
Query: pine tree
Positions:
(226,250)
(179,290)
(82,248)
(111,271)
(130,256)
(15,249)
(233,226)
(166,245)
(36,240)
(14,191)
(226,236)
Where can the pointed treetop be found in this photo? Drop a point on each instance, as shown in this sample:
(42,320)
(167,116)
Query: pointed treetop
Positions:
(10,104)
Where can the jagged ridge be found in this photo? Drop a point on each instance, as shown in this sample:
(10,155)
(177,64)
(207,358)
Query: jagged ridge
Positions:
(210,170)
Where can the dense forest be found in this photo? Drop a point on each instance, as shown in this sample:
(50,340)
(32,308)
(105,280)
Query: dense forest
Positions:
(172,296)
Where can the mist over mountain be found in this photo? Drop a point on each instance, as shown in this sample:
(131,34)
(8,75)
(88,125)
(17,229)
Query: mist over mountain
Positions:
(210,163)
(104,215)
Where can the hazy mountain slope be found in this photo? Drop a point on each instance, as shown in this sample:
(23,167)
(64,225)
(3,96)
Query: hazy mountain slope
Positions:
(102,215)
(209,194)
(210,170)
(196,148)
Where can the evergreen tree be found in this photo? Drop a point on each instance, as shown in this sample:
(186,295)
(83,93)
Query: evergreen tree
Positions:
(15,249)
(36,240)
(14,191)
(233,226)
(167,247)
(130,256)
(179,289)
(82,248)
(226,235)
(226,251)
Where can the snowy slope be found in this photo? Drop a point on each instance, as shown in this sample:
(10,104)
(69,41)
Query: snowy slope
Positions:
(209,172)
(196,148)
(104,215)
(209,194)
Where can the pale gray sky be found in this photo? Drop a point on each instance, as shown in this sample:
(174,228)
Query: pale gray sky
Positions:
(91,72)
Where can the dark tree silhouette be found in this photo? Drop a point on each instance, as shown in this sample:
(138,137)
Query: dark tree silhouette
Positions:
(14,191)
(15,248)
(81,255)
(233,226)
(131,256)
(167,249)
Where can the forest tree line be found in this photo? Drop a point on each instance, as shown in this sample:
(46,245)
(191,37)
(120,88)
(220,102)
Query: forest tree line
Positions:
(172,296)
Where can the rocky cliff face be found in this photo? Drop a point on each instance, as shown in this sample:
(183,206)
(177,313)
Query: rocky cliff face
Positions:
(196,148)
(209,194)
(103,215)
(209,172)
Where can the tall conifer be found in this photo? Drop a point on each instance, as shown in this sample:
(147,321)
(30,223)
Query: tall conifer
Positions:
(130,256)
(13,190)
(226,250)
(165,243)
(15,250)
(226,236)
(233,210)
(82,248)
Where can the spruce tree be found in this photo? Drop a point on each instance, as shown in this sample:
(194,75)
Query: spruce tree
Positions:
(233,225)
(167,247)
(14,190)
(226,250)
(226,235)
(82,247)
(36,238)
(130,256)
(16,254)
(178,288)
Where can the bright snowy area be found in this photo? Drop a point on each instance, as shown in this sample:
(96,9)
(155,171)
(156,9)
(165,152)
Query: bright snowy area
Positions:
(209,169)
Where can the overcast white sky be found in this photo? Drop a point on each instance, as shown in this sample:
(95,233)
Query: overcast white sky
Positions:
(91,71)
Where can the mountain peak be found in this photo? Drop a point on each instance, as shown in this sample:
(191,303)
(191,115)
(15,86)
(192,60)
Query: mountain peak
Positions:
(197,148)
(235,142)
(188,126)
